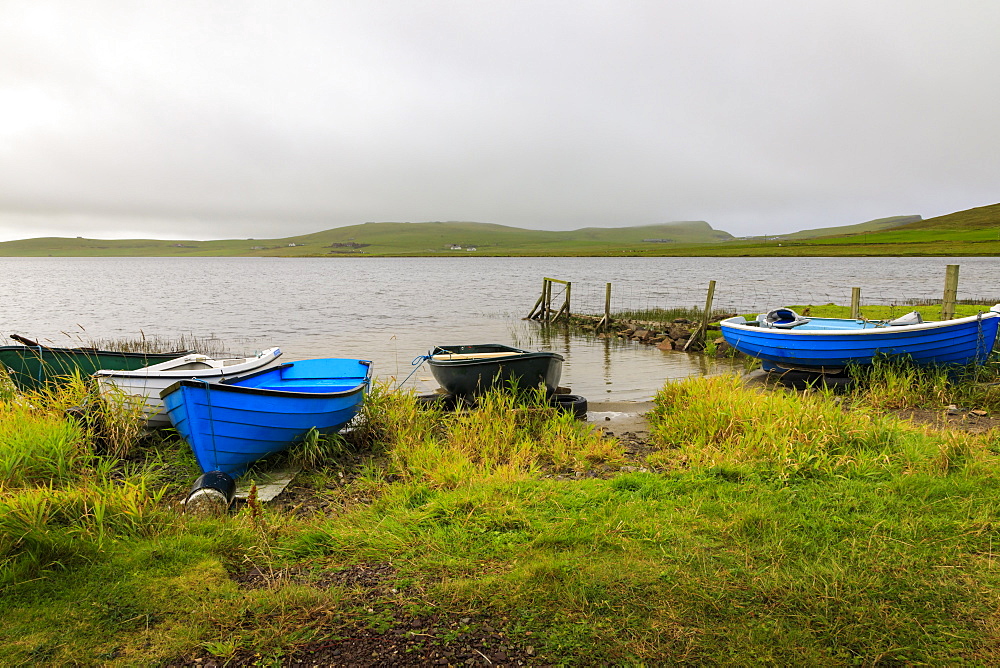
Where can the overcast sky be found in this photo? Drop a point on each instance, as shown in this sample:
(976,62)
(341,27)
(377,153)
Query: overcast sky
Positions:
(197,120)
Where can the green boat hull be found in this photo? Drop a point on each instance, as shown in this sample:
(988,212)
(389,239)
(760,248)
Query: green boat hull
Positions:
(471,377)
(34,367)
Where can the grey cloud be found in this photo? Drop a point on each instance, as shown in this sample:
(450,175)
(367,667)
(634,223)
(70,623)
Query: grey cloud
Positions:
(270,119)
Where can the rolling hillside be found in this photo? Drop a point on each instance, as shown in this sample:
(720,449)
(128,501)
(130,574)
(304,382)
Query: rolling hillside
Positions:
(870,226)
(978,225)
(391,239)
(963,233)
(971,219)
(971,232)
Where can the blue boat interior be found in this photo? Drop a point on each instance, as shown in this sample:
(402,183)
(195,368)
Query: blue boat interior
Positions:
(823,324)
(839,324)
(321,376)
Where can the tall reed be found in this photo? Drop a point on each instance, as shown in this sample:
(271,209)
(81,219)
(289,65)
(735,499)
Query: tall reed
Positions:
(45,526)
(39,447)
(889,384)
(58,499)
(717,421)
(506,434)
(112,418)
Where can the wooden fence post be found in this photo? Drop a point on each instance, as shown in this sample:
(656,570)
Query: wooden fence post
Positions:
(568,292)
(855,303)
(607,306)
(536,312)
(548,301)
(702,330)
(950,292)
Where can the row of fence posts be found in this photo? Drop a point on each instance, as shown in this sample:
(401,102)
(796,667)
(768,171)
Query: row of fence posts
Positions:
(948,301)
(543,311)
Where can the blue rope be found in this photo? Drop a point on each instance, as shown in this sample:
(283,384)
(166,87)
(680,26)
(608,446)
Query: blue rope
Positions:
(41,364)
(417,362)
(211,422)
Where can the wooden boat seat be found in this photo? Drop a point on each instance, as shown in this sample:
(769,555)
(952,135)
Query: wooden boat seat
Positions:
(471,356)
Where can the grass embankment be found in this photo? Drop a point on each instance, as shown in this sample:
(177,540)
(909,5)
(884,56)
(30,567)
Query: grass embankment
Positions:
(770,527)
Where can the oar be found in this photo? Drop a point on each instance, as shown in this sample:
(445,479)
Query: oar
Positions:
(26,341)
(34,344)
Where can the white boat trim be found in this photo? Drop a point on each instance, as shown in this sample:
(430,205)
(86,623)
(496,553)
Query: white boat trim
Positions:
(737,323)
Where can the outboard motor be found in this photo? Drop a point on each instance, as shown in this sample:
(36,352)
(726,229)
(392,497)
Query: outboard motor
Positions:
(783,318)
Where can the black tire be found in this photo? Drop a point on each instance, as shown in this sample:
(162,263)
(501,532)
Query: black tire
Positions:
(571,403)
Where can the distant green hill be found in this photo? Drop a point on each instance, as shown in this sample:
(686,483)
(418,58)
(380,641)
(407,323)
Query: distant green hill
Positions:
(963,233)
(979,218)
(981,224)
(870,226)
(971,232)
(394,239)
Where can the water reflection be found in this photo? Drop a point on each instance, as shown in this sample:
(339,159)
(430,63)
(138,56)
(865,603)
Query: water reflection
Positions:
(613,368)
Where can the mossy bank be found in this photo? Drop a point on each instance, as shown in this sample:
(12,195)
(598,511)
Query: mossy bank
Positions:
(756,527)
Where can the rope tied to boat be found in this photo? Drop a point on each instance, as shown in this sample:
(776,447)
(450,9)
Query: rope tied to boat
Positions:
(41,363)
(417,362)
(211,422)
(981,352)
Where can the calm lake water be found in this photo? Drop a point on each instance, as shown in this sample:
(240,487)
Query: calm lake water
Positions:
(391,310)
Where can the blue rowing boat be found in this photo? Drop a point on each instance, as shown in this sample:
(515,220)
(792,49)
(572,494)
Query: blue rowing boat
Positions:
(782,339)
(231,424)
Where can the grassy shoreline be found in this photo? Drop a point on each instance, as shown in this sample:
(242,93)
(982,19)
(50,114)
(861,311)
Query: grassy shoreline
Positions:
(755,525)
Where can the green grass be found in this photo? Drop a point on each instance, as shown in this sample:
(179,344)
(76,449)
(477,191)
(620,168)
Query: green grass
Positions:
(768,527)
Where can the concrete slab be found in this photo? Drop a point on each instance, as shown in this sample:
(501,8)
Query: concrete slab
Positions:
(269,484)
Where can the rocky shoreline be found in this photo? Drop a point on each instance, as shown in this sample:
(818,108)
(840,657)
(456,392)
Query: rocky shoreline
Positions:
(679,334)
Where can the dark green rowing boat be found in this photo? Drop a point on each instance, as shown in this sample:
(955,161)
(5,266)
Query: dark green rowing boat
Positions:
(32,367)
(470,370)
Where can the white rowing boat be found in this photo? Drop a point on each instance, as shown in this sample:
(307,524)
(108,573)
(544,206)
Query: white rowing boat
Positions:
(146,383)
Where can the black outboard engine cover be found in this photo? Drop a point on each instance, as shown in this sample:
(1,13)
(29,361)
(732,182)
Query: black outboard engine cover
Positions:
(784,318)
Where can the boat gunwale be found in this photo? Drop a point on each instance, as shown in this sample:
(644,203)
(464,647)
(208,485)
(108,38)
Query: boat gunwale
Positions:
(266,356)
(227,385)
(497,360)
(168,356)
(874,331)
(512,353)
